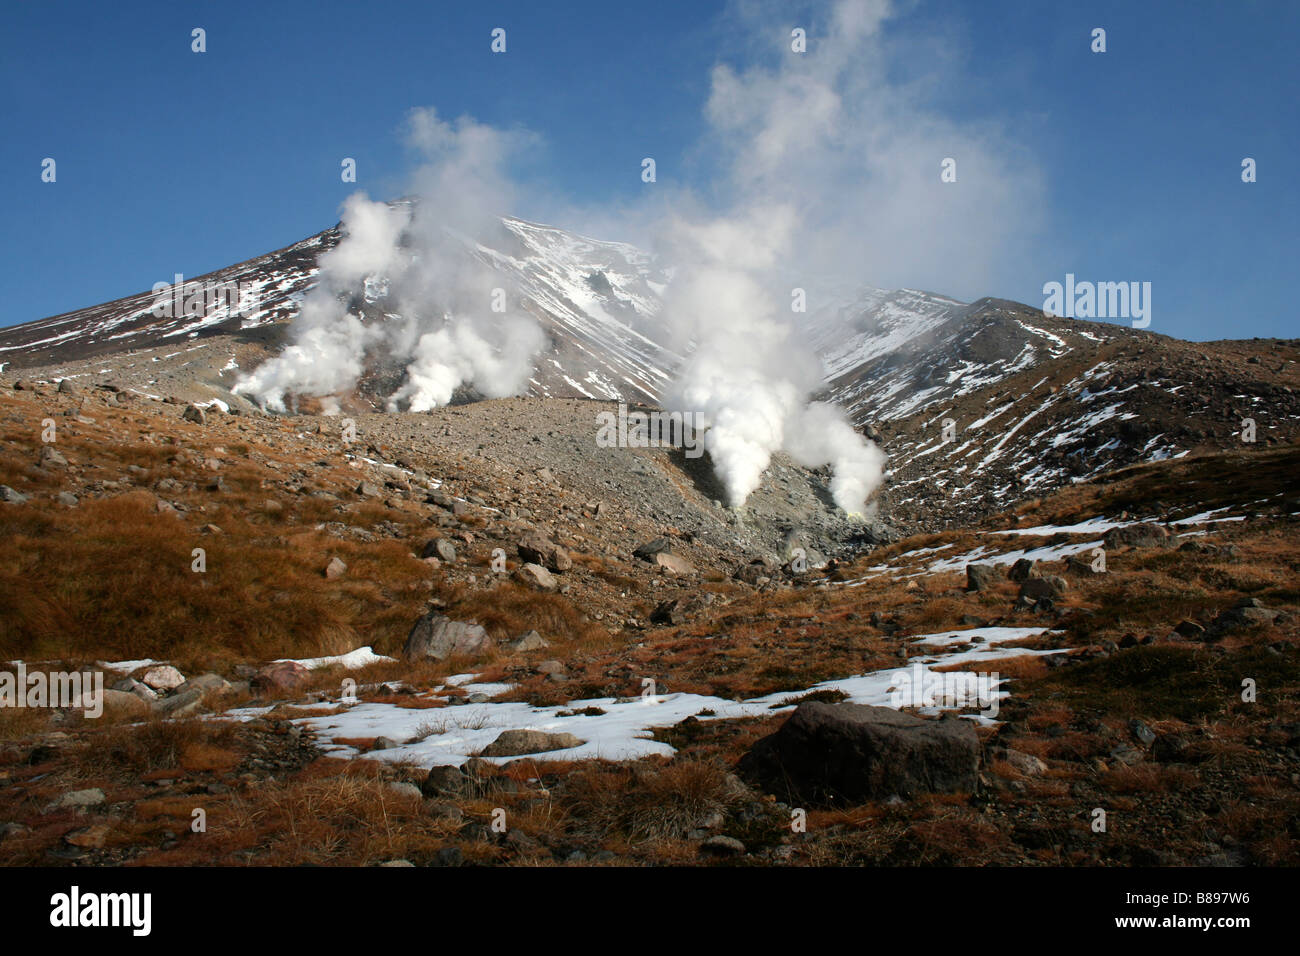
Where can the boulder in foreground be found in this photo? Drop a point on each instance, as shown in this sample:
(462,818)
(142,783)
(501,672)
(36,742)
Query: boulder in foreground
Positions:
(851,753)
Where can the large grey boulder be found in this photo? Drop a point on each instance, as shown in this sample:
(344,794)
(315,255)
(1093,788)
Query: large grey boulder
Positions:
(851,753)
(1247,612)
(437,636)
(535,548)
(1143,535)
(1049,586)
(980,577)
(440,548)
(536,576)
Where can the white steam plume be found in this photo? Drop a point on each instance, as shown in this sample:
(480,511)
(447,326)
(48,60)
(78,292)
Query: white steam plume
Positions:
(749,377)
(329,347)
(450,325)
(831,171)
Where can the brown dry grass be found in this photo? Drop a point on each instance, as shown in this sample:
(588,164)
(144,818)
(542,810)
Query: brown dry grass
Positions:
(115,578)
(643,803)
(344,814)
(128,752)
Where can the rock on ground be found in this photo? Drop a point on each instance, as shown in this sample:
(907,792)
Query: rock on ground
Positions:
(535,548)
(826,753)
(438,636)
(510,743)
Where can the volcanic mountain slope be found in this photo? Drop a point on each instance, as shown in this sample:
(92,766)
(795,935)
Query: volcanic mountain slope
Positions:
(1034,401)
(1070,402)
(593,299)
(598,302)
(277,282)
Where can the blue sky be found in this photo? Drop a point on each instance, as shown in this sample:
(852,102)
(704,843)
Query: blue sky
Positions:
(170,161)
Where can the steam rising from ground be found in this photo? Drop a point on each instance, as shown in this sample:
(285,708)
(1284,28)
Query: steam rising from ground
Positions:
(832,170)
(829,169)
(447,313)
(749,377)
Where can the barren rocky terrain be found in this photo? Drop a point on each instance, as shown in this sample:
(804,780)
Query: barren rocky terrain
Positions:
(601,648)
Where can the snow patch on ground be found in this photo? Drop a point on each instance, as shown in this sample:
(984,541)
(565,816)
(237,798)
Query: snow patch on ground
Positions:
(451,735)
(361,657)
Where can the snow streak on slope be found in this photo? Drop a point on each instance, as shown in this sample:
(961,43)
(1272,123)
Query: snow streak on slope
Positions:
(925,350)
(599,304)
(276,283)
(870,323)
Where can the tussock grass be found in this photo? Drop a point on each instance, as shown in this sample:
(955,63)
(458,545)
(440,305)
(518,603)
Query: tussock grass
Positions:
(115,578)
(644,803)
(133,751)
(343,814)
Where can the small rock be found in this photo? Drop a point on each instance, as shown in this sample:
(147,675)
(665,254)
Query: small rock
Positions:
(440,548)
(1144,734)
(444,780)
(205,683)
(722,846)
(647,551)
(536,576)
(180,704)
(510,743)
(673,564)
(980,577)
(528,641)
(450,856)
(1126,755)
(163,677)
(1024,763)
(123,702)
(89,838)
(51,457)
(94,797)
(1170,748)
